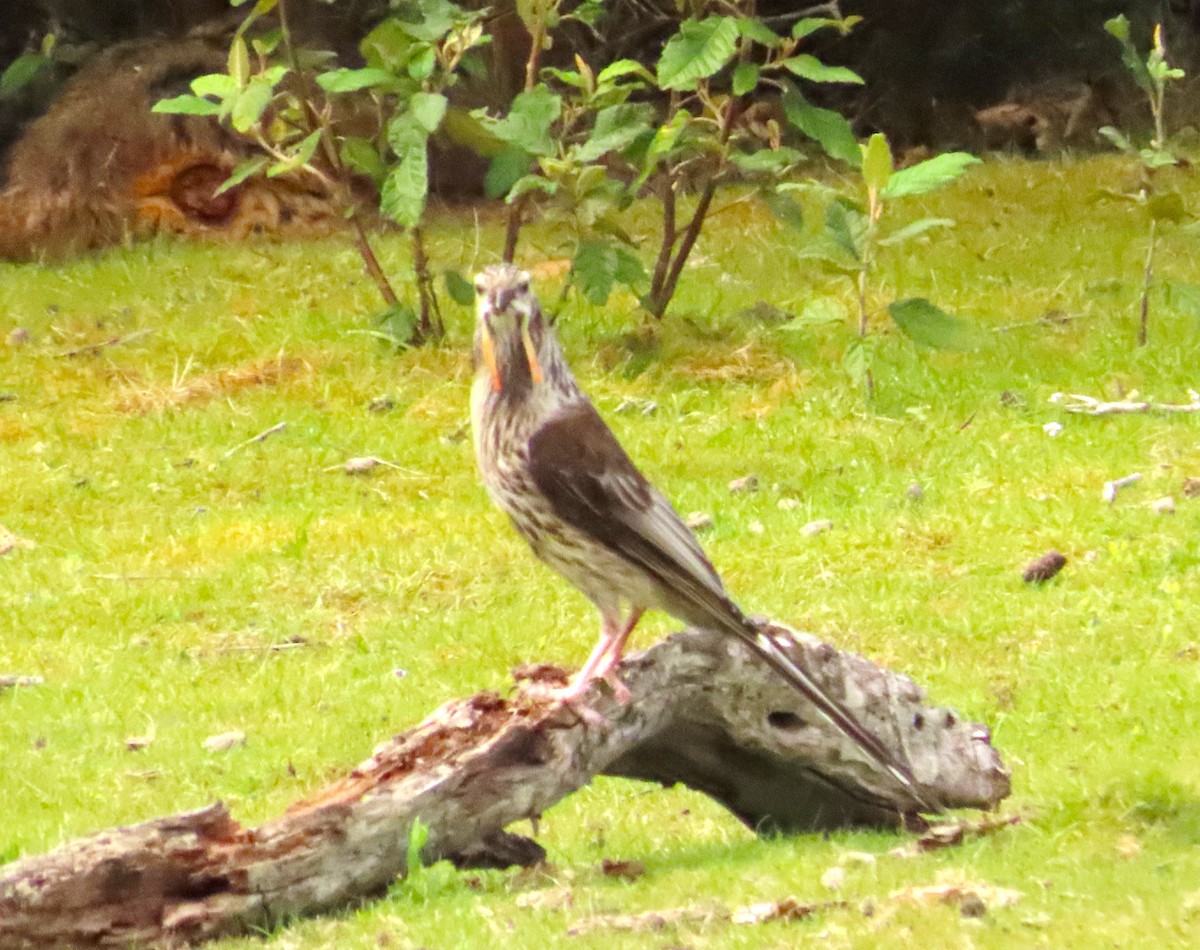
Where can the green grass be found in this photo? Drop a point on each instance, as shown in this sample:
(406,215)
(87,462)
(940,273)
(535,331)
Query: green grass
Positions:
(166,564)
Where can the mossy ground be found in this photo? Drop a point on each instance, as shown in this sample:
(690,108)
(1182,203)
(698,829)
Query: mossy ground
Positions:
(169,560)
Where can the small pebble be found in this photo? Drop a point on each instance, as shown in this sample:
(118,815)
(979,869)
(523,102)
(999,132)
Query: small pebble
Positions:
(18,337)
(225,741)
(699,521)
(915,491)
(817,527)
(747,483)
(1163,506)
(756,527)
(788,504)
(1052,428)
(1191,487)
(360,465)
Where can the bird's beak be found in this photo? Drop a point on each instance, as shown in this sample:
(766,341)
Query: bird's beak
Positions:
(488,347)
(535,368)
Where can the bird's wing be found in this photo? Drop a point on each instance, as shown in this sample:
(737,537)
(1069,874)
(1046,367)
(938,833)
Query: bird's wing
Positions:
(590,482)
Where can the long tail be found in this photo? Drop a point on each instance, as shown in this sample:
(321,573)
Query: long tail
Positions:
(736,623)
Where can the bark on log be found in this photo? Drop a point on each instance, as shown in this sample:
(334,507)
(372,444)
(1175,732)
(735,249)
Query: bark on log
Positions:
(704,712)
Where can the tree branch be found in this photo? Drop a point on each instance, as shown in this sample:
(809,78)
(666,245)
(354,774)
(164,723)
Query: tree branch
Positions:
(704,711)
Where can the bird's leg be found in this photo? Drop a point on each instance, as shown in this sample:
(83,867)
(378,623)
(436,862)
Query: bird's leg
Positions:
(613,648)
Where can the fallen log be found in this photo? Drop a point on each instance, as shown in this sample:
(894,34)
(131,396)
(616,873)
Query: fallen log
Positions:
(704,712)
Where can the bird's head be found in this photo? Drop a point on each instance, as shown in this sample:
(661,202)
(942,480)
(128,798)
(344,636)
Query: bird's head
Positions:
(506,309)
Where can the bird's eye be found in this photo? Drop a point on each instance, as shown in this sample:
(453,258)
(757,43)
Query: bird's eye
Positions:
(523,286)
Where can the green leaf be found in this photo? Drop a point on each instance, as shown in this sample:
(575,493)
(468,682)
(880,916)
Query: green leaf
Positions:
(769,160)
(621,68)
(829,129)
(819,312)
(700,49)
(616,127)
(214,84)
(858,360)
(461,290)
(299,157)
(427,109)
(757,31)
(784,207)
(876,162)
(402,197)
(917,227)
(664,141)
(1117,138)
(244,169)
(1118,26)
(527,184)
(464,128)
(352,80)
(422,63)
(807,66)
(745,78)
(1167,206)
(400,325)
(505,170)
(1184,297)
(22,71)
(527,125)
(927,325)
(928,175)
(362,156)
(598,265)
(845,226)
(427,20)
(239,61)
(187,105)
(810,25)
(250,105)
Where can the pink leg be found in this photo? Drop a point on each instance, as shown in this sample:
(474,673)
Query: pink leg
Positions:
(604,659)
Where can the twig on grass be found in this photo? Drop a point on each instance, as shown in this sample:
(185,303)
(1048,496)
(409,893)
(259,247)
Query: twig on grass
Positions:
(93,348)
(1089,406)
(261,437)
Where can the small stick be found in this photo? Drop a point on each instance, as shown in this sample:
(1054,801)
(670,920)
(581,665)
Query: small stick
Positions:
(1111,488)
(115,341)
(261,437)
(6,682)
(1095,407)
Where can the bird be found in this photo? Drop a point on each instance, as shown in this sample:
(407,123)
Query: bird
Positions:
(552,464)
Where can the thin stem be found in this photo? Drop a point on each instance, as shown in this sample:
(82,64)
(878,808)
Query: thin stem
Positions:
(1148,274)
(516,208)
(667,243)
(315,123)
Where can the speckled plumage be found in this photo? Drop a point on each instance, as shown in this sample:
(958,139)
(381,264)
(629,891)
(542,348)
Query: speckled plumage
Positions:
(550,462)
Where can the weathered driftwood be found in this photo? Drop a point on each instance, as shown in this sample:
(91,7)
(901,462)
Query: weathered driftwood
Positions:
(704,712)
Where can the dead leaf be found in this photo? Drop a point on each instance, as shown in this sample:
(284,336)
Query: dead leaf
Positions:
(626,870)
(10,542)
(952,887)
(359,465)
(134,743)
(952,834)
(225,741)
(789,908)
(555,898)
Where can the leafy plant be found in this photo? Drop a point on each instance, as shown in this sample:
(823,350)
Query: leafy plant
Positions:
(1152,74)
(581,139)
(293,108)
(855,229)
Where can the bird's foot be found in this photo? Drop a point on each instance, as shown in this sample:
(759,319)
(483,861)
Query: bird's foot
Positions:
(620,691)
